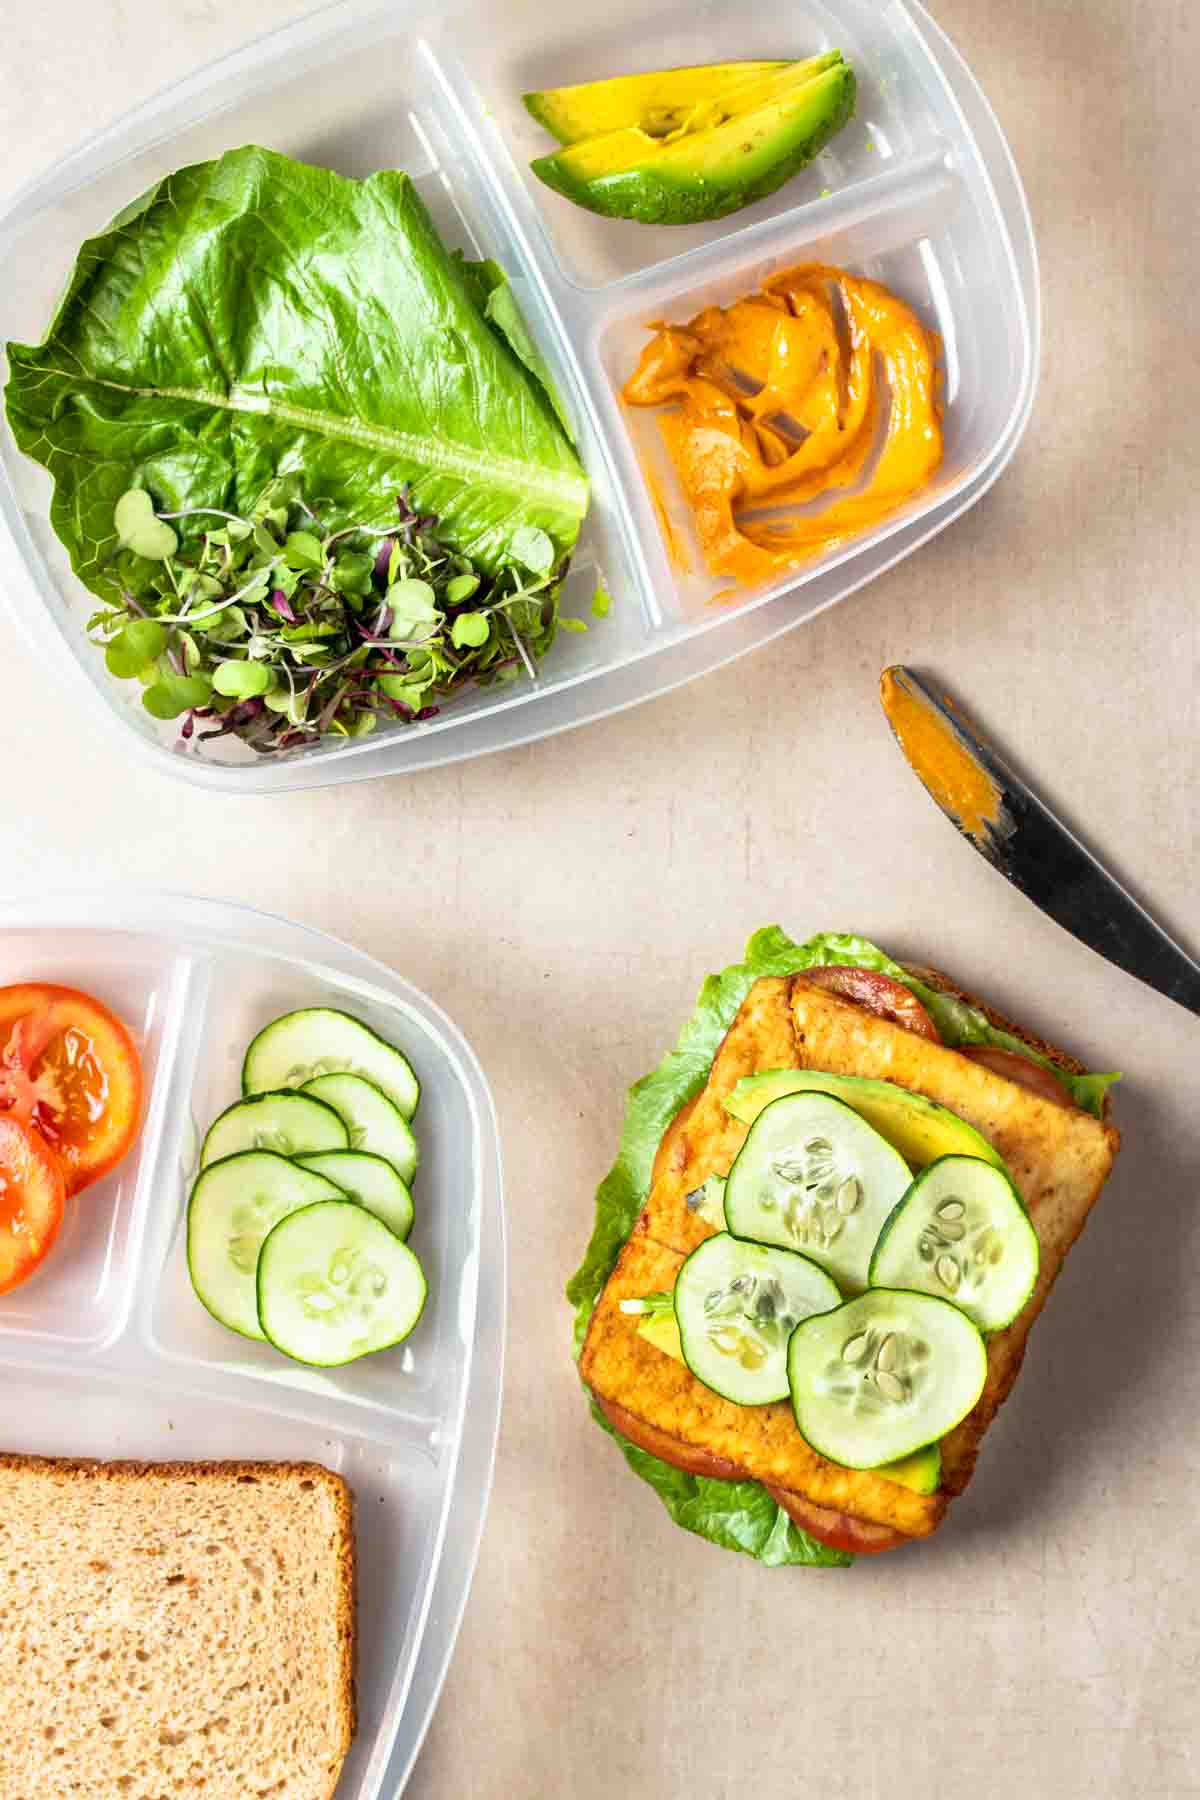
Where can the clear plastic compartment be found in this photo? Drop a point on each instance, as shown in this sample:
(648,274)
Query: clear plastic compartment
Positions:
(110,1325)
(919,189)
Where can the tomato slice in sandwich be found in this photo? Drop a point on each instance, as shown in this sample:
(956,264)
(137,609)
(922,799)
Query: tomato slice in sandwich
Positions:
(838,1530)
(70,1072)
(33,1189)
(1022,1070)
(875,993)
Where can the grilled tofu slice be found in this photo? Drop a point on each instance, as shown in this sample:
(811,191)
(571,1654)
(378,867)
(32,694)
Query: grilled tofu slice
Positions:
(1059,1156)
(757,1443)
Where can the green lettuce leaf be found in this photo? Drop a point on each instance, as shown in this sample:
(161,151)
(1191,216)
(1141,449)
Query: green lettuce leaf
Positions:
(737,1515)
(742,1515)
(493,295)
(253,317)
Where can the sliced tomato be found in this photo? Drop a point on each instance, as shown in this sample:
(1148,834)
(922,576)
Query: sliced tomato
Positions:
(33,1189)
(875,993)
(70,1071)
(1022,1070)
(689,1457)
(837,1530)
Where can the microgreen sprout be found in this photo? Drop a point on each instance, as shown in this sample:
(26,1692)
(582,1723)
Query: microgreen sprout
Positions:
(650,1304)
(264,626)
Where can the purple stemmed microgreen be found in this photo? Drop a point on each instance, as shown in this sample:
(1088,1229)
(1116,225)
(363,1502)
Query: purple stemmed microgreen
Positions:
(263,626)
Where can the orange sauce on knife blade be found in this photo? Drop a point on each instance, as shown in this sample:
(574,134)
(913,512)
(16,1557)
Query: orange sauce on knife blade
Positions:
(954,779)
(785,397)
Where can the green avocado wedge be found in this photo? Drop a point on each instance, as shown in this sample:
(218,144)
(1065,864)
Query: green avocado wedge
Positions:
(708,172)
(918,1128)
(660,101)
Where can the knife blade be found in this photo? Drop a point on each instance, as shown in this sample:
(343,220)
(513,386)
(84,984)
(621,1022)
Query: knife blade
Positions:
(984,797)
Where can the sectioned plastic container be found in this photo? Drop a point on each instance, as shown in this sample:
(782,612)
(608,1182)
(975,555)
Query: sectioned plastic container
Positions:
(919,191)
(106,1351)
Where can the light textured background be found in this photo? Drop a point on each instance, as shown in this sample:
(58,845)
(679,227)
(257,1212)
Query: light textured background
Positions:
(563,902)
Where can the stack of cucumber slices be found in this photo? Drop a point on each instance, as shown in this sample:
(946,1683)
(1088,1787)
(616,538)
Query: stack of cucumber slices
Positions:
(857,1273)
(298,1218)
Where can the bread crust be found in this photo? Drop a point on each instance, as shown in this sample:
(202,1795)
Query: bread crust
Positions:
(934,978)
(282,1474)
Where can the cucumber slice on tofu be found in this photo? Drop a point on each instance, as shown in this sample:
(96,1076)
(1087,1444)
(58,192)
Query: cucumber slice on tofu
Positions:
(962,1232)
(291,1124)
(320,1040)
(233,1205)
(370,1181)
(922,1472)
(372,1122)
(884,1375)
(736,1305)
(813,1176)
(335,1284)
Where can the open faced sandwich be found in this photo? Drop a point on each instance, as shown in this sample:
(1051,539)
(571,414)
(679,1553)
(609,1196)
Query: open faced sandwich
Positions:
(840,1205)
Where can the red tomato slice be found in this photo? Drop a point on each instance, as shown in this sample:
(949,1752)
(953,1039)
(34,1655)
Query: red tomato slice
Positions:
(875,993)
(69,1070)
(1020,1069)
(32,1191)
(838,1530)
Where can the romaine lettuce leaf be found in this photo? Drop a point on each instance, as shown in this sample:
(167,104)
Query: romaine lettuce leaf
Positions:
(493,295)
(737,1515)
(741,1515)
(254,317)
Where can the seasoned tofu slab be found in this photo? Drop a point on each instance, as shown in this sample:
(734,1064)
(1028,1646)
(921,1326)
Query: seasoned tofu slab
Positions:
(762,1442)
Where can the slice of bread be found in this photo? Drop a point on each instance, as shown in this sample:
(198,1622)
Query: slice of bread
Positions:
(174,1628)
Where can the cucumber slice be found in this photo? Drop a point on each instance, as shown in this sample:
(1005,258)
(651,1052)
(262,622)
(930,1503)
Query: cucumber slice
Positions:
(884,1375)
(736,1305)
(290,1124)
(373,1123)
(815,1177)
(233,1206)
(319,1040)
(370,1181)
(335,1284)
(962,1232)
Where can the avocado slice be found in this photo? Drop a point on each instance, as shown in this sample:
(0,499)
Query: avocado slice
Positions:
(713,169)
(659,101)
(918,1128)
(922,1471)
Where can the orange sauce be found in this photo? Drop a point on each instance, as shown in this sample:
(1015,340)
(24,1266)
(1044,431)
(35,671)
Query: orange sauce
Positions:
(784,398)
(953,777)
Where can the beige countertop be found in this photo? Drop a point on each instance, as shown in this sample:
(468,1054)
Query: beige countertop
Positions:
(563,902)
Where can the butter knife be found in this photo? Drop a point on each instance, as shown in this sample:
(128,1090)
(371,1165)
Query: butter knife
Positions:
(992,807)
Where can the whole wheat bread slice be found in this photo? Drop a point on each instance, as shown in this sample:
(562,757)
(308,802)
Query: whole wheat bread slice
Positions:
(174,1628)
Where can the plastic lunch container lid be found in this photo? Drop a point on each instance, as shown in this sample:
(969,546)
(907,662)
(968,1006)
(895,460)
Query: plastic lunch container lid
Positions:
(921,189)
(110,1317)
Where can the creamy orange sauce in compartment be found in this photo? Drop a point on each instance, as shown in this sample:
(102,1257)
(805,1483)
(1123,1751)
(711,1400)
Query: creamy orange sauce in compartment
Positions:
(785,397)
